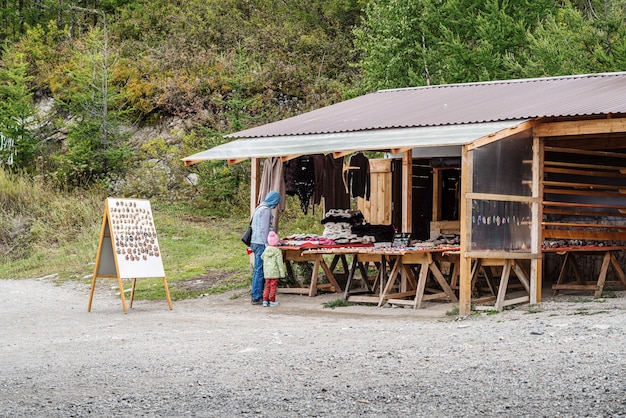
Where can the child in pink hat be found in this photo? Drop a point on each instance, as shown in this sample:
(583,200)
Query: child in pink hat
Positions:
(273,269)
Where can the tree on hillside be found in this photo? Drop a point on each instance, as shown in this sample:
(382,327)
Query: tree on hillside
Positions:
(575,41)
(421,42)
(96,148)
(17,16)
(18,144)
(297,55)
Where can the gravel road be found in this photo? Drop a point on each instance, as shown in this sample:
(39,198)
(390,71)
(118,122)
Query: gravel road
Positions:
(219,356)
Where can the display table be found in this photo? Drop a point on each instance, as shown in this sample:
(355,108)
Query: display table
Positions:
(409,275)
(315,255)
(401,276)
(506,265)
(572,254)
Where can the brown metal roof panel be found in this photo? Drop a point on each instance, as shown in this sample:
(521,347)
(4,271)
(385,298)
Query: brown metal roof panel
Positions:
(459,104)
(387,139)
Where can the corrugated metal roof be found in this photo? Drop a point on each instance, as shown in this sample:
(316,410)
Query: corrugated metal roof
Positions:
(443,115)
(453,104)
(371,140)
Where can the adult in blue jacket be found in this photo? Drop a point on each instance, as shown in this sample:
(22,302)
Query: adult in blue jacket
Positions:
(261,227)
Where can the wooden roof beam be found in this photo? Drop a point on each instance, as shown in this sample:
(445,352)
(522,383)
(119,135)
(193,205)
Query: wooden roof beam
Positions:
(401,150)
(235,161)
(581,127)
(488,139)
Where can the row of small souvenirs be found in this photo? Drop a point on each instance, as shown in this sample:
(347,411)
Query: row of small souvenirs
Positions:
(312,240)
(498,220)
(568,243)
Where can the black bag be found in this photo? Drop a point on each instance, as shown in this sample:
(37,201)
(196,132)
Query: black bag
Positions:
(247,235)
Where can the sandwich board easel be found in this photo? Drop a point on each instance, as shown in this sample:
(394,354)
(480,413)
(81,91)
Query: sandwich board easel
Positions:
(128,247)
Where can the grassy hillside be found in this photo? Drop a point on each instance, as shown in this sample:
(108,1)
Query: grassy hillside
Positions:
(46,232)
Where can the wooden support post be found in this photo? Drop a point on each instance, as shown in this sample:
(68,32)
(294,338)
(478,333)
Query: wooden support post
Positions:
(537,216)
(407,197)
(255,183)
(436,210)
(465,263)
(535,280)
(407,191)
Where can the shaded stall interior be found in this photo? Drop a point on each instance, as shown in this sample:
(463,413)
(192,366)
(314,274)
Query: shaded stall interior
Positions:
(547,187)
(584,195)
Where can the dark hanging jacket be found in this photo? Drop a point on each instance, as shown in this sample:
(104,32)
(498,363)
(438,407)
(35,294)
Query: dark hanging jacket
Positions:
(359,178)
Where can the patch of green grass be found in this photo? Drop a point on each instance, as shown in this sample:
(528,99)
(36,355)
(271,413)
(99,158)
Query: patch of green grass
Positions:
(580,300)
(453,312)
(581,311)
(337,303)
(533,309)
(608,293)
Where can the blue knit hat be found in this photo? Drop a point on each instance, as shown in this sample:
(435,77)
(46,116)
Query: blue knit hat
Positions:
(272,199)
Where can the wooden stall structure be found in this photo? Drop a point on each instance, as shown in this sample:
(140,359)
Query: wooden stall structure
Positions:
(584,199)
(540,160)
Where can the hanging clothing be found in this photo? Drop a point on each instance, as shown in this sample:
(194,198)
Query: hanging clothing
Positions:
(290,173)
(299,177)
(359,178)
(335,194)
(320,178)
(272,179)
(305,181)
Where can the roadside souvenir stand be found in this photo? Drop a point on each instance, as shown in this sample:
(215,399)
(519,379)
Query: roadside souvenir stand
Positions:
(540,161)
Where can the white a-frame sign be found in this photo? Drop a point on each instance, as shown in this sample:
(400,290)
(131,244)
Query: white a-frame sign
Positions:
(128,247)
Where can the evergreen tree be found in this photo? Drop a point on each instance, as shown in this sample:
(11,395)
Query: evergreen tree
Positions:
(18,144)
(576,41)
(96,148)
(419,42)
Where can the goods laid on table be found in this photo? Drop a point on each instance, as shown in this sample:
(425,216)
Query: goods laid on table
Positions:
(566,243)
(343,227)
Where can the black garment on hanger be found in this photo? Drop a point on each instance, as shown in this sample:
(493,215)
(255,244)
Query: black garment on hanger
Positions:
(290,174)
(320,178)
(359,178)
(305,181)
(335,195)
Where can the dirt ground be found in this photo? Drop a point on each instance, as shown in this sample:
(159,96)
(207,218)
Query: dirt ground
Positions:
(219,356)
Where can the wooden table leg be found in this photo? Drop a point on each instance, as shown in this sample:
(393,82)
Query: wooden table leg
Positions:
(329,274)
(618,269)
(390,281)
(606,260)
(504,283)
(350,277)
(313,285)
(562,273)
(421,284)
(442,281)
(522,276)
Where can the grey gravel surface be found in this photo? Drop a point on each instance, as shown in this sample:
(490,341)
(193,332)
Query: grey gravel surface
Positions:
(219,356)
